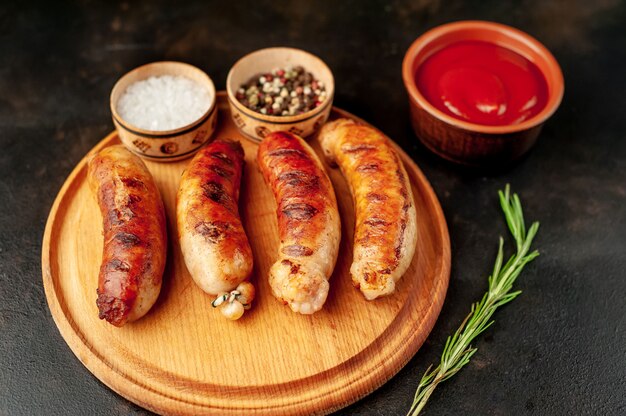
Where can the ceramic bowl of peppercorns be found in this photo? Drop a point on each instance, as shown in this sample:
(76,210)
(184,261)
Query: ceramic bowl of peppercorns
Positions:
(279,89)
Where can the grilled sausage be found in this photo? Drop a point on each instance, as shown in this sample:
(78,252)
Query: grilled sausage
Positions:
(308,221)
(135,239)
(385,233)
(212,239)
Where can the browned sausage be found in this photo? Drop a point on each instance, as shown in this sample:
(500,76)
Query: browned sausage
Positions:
(212,238)
(385,232)
(308,221)
(135,239)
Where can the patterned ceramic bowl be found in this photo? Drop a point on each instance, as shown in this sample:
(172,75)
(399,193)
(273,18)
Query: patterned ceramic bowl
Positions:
(256,126)
(166,145)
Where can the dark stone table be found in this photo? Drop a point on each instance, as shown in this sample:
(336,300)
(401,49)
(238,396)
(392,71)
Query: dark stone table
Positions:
(559,349)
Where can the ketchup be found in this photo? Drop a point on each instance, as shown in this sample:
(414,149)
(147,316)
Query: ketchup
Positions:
(482,83)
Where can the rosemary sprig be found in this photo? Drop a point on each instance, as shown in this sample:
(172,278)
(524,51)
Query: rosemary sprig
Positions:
(458,350)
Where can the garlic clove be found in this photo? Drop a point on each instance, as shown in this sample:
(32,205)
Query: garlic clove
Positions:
(232,310)
(246,293)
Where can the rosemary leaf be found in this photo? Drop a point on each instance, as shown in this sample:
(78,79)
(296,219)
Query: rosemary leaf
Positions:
(458,351)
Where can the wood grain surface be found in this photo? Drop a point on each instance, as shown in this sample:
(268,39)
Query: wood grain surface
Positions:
(184,358)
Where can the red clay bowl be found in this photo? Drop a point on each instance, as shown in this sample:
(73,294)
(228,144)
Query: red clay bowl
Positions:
(468,143)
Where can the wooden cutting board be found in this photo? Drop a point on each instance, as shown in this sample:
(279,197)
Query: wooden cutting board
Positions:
(184,358)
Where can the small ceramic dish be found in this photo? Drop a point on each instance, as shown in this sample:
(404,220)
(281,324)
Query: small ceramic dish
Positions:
(165,145)
(468,143)
(255,125)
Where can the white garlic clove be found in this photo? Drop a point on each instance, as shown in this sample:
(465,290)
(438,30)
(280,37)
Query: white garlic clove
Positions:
(246,293)
(232,310)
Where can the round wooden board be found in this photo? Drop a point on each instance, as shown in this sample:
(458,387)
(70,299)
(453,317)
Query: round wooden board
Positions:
(184,358)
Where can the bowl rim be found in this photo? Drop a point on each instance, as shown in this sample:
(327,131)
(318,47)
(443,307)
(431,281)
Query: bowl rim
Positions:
(330,89)
(155,134)
(554,98)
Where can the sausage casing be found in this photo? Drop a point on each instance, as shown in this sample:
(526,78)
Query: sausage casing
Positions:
(385,232)
(308,221)
(135,236)
(212,238)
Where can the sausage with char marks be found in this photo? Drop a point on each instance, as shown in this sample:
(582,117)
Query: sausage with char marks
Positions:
(308,221)
(212,238)
(385,232)
(135,239)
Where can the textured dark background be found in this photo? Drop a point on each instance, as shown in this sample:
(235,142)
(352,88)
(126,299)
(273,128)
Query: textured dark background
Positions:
(559,349)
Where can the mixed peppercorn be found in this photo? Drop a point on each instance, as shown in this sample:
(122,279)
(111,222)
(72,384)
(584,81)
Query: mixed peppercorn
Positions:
(283,92)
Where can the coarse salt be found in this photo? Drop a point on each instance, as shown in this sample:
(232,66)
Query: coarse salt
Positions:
(163,102)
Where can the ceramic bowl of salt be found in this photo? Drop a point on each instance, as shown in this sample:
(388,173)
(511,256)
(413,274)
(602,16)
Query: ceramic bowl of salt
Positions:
(164,111)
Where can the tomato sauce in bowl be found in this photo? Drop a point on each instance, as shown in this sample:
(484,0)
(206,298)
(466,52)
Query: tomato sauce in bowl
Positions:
(479,92)
(482,83)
